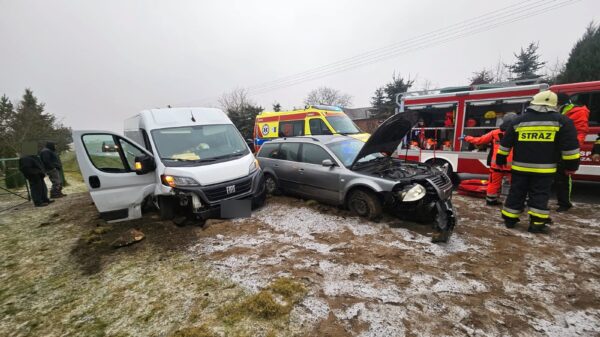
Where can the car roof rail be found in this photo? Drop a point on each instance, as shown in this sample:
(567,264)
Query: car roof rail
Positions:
(300,137)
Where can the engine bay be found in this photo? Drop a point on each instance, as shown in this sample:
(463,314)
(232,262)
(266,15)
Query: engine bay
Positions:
(395,169)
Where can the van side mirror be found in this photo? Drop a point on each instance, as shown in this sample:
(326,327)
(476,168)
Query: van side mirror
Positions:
(327,163)
(144,164)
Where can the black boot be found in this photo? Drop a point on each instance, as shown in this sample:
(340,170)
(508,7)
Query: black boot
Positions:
(542,229)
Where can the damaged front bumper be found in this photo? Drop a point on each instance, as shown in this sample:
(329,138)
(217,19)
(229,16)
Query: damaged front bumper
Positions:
(435,207)
(205,201)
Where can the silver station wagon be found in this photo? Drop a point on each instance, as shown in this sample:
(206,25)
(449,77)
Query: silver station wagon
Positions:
(364,177)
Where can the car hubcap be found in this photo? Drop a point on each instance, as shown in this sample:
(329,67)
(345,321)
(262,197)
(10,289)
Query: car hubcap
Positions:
(360,206)
(271,186)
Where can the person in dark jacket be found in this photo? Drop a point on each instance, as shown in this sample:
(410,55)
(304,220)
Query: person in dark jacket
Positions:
(539,139)
(579,114)
(31,167)
(53,167)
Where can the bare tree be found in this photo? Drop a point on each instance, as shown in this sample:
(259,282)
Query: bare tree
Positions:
(554,70)
(499,72)
(240,109)
(234,100)
(328,96)
(426,85)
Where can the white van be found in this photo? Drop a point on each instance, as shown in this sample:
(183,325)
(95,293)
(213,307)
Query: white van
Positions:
(187,161)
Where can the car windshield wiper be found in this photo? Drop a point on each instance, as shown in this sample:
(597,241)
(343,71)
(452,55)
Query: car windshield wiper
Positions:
(179,159)
(229,155)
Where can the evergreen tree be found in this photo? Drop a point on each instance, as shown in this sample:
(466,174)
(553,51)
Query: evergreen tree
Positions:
(384,101)
(483,76)
(584,60)
(243,118)
(31,123)
(7,115)
(378,101)
(276,107)
(527,64)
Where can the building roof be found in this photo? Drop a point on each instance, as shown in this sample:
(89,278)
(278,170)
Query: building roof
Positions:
(358,113)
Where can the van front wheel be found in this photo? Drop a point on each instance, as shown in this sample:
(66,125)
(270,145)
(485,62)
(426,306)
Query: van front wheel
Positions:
(166,208)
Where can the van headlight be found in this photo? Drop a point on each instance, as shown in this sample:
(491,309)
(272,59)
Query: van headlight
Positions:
(175,181)
(413,193)
(254,166)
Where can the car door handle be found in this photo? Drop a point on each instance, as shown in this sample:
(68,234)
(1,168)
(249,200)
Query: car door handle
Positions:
(276,165)
(301,170)
(94,181)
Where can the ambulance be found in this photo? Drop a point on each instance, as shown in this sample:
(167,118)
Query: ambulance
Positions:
(313,120)
(449,113)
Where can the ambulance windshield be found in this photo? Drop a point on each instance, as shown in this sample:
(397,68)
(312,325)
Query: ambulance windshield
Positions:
(343,125)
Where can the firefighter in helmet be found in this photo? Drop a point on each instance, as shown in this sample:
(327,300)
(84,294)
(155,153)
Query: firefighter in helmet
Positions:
(497,172)
(539,139)
(579,114)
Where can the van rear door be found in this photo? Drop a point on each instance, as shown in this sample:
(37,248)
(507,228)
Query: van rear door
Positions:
(107,161)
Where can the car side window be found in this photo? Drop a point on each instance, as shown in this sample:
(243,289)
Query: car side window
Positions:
(291,128)
(269,150)
(103,152)
(314,154)
(318,127)
(130,151)
(289,151)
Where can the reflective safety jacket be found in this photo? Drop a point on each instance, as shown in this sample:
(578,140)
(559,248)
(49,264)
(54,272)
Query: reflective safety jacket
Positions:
(539,140)
(493,137)
(596,148)
(580,116)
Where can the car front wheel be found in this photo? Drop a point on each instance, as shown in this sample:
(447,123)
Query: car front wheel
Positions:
(271,185)
(365,204)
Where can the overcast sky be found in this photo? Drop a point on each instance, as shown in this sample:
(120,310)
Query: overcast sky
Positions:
(95,63)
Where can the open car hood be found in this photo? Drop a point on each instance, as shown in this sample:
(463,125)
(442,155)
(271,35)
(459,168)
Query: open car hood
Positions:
(388,135)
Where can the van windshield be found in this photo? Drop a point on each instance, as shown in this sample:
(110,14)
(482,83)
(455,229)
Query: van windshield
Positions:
(199,144)
(343,125)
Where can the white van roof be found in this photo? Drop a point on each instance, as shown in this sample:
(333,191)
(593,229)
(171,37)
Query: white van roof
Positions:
(173,117)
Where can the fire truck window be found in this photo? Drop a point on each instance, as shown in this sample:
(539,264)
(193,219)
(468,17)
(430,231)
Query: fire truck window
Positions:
(592,101)
(434,130)
(291,129)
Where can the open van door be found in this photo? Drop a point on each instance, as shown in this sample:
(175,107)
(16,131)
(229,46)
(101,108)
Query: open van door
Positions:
(107,163)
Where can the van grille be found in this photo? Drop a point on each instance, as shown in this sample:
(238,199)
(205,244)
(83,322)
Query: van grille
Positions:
(220,191)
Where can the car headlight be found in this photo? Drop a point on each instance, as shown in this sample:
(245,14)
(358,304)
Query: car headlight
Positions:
(254,166)
(413,193)
(175,181)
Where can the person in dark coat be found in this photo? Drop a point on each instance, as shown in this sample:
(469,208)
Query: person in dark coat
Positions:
(53,167)
(32,169)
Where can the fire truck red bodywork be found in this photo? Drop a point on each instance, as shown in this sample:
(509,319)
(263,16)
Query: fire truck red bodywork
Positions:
(475,162)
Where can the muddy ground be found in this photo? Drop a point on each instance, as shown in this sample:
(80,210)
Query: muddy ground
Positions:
(296,269)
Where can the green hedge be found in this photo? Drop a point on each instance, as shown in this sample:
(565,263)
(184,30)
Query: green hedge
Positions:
(13,177)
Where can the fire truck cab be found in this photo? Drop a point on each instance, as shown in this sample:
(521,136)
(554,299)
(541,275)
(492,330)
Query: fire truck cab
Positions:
(447,114)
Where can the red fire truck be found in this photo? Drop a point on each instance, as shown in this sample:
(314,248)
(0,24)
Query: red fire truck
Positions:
(447,114)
